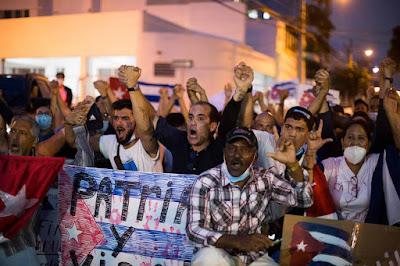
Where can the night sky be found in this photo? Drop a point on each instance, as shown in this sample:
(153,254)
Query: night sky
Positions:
(368,22)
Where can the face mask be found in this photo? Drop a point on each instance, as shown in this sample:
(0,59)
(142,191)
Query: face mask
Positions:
(354,154)
(373,115)
(44,121)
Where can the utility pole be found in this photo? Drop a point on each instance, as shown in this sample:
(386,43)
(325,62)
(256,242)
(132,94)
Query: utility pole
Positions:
(301,69)
(349,51)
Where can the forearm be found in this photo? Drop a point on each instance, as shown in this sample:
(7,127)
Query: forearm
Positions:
(263,106)
(55,110)
(192,97)
(228,242)
(144,125)
(51,146)
(395,127)
(65,111)
(246,111)
(111,96)
(203,96)
(70,135)
(184,109)
(279,118)
(165,105)
(316,104)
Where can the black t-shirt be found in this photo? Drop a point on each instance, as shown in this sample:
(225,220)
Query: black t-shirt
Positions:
(185,159)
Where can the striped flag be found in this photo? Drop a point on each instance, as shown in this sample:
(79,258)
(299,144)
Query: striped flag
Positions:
(150,90)
(318,244)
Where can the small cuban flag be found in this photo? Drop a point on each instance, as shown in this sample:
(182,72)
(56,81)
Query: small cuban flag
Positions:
(318,244)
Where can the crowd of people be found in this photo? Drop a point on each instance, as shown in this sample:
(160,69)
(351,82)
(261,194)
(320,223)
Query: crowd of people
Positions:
(253,168)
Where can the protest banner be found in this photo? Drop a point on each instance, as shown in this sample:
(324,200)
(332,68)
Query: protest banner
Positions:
(313,241)
(48,241)
(111,217)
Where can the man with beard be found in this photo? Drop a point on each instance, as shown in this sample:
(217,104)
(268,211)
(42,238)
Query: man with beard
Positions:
(229,204)
(125,149)
(195,150)
(133,146)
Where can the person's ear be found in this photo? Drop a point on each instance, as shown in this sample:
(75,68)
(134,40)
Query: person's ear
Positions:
(213,126)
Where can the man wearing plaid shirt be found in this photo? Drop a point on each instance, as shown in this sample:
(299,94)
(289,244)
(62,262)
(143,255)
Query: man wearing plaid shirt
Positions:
(229,204)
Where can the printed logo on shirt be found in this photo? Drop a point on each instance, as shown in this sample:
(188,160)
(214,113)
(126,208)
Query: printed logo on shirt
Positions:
(130,165)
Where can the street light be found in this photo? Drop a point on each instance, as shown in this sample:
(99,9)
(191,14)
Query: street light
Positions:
(375,69)
(368,52)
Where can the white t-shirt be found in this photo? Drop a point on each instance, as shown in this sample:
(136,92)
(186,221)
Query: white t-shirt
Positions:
(134,158)
(351,193)
(266,143)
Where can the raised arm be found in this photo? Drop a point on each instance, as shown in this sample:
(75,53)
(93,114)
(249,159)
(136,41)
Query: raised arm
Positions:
(391,104)
(105,92)
(129,75)
(195,92)
(320,91)
(178,94)
(243,77)
(280,113)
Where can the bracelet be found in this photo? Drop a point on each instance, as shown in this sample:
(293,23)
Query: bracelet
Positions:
(294,168)
(134,88)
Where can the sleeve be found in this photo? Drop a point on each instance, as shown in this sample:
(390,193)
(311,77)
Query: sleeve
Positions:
(383,136)
(266,143)
(198,213)
(169,136)
(229,118)
(291,193)
(330,149)
(104,146)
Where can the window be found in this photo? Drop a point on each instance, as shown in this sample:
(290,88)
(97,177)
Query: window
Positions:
(164,69)
(291,39)
(19,13)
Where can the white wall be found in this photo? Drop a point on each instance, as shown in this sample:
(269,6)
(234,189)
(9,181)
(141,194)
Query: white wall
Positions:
(71,7)
(206,17)
(122,5)
(213,59)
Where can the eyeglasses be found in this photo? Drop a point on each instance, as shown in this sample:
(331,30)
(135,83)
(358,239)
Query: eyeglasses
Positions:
(352,189)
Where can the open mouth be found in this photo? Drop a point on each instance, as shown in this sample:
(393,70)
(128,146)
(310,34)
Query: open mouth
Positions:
(192,133)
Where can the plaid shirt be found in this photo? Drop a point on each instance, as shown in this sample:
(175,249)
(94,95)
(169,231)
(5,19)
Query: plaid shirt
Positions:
(216,207)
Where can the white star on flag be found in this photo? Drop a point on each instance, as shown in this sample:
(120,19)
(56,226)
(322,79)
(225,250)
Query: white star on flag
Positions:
(301,246)
(16,205)
(73,233)
(119,93)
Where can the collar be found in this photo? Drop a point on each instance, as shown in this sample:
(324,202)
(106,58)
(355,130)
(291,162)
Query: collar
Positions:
(225,180)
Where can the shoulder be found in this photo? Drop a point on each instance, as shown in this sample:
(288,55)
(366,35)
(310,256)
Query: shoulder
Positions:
(210,178)
(332,162)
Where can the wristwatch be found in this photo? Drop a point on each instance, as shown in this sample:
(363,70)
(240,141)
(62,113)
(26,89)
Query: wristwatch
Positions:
(136,87)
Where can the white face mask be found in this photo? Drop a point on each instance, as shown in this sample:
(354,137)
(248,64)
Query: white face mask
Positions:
(354,154)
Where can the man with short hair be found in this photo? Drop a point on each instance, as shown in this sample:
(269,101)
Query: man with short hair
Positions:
(196,150)
(125,149)
(229,204)
(264,122)
(360,106)
(23,136)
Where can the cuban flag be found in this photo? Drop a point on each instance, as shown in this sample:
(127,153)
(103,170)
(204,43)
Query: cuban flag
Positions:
(290,86)
(318,244)
(323,206)
(150,90)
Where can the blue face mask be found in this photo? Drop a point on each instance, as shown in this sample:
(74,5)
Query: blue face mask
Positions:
(44,121)
(235,179)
